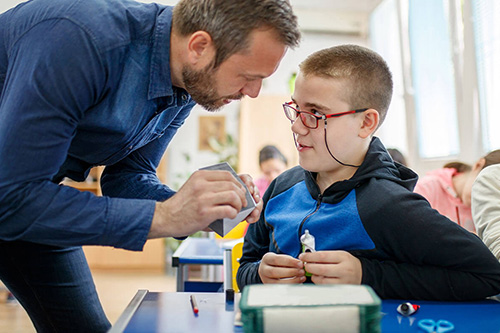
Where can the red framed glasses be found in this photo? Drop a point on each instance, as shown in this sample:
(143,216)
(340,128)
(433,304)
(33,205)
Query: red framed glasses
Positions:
(310,120)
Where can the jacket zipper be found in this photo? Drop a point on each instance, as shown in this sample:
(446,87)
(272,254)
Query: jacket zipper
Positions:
(318,203)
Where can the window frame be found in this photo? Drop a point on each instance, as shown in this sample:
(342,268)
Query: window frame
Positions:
(471,146)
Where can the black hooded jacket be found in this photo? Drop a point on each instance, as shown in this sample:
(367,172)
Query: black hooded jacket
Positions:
(407,249)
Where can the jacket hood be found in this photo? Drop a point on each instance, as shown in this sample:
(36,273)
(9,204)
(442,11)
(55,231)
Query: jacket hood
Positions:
(378,164)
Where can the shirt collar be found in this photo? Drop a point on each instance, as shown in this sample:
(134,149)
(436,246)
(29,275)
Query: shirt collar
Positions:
(160,80)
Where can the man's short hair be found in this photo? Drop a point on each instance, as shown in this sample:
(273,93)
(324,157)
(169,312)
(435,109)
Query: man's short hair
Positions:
(367,78)
(230,22)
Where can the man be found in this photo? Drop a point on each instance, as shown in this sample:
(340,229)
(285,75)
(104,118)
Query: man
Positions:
(109,82)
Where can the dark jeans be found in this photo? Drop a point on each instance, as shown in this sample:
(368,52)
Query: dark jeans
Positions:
(54,285)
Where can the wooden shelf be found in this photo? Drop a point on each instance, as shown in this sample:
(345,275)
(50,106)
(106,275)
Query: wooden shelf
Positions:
(151,258)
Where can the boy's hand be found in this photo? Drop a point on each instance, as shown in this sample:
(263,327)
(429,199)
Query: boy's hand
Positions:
(281,268)
(328,267)
(254,191)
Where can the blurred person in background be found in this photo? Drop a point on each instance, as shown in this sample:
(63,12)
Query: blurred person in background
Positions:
(448,189)
(397,156)
(272,163)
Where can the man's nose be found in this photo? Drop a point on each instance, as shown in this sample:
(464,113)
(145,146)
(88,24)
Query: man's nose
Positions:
(252,88)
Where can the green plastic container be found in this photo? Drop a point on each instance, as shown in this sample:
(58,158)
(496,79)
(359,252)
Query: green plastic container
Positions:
(309,308)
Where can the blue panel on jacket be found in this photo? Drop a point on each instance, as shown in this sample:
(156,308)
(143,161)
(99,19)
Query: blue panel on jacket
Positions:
(335,226)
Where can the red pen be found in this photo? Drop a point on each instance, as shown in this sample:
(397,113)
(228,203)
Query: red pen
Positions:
(194,305)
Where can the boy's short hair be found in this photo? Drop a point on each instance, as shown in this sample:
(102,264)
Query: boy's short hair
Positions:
(230,22)
(366,75)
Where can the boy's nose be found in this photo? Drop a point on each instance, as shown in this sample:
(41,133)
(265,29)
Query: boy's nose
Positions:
(298,127)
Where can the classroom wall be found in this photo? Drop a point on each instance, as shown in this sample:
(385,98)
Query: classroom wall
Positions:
(7,4)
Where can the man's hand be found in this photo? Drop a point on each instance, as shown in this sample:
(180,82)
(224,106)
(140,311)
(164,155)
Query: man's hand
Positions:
(254,191)
(281,268)
(205,197)
(328,267)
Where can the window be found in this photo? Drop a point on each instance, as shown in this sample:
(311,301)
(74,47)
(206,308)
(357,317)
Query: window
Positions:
(384,32)
(486,19)
(433,78)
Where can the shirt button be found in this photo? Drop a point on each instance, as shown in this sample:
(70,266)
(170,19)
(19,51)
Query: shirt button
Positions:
(184,97)
(130,147)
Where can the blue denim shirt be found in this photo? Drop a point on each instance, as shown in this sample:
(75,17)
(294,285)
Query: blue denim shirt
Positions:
(85,83)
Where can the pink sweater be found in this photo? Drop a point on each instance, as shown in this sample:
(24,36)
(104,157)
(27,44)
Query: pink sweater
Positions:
(262,184)
(437,187)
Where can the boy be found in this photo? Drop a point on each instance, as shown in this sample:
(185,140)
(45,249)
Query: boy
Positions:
(369,227)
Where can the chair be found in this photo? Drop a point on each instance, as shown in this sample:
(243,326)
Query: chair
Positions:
(231,264)
(236,254)
(232,254)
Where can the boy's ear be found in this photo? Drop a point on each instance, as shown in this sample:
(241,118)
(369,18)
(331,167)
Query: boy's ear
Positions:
(200,49)
(370,123)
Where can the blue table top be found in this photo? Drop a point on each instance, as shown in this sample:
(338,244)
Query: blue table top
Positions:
(201,251)
(172,312)
(480,316)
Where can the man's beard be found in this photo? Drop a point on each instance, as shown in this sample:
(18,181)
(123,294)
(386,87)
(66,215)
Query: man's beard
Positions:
(201,86)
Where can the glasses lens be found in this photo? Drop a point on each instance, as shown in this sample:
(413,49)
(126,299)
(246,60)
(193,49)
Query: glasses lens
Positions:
(309,120)
(290,112)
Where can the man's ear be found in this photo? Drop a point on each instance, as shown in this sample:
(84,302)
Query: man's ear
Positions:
(200,49)
(370,123)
